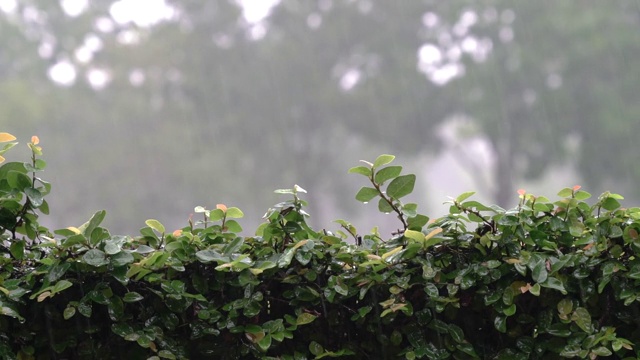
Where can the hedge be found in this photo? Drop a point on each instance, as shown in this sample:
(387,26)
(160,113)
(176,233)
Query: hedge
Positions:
(547,279)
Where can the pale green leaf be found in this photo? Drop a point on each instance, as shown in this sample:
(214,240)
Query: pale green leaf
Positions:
(383,159)
(234,213)
(366,194)
(362,170)
(464,196)
(155,225)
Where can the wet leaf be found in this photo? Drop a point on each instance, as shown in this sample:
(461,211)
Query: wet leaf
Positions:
(382,160)
(95,257)
(155,225)
(500,323)
(366,194)
(401,186)
(464,196)
(234,213)
(305,318)
(582,318)
(387,173)
(362,170)
(132,297)
(69,312)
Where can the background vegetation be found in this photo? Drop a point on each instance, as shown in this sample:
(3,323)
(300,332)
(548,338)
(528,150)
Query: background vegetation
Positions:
(503,90)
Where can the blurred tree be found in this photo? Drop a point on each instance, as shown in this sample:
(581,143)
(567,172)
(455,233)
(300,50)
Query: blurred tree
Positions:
(282,98)
(560,81)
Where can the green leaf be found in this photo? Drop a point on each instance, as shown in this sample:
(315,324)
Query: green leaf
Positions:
(507,295)
(88,227)
(387,173)
(500,323)
(261,266)
(601,351)
(234,213)
(95,257)
(85,309)
(362,170)
(510,310)
(581,195)
(366,194)
(44,208)
(392,252)
(56,271)
(410,209)
(565,193)
(166,354)
(556,284)
(155,225)
(61,285)
(539,272)
(383,159)
(384,207)
(121,259)
(315,348)
(431,290)
(565,306)
(418,221)
(232,226)
(265,342)
(610,204)
(121,329)
(468,349)
(286,257)
(341,289)
(35,196)
(144,249)
(206,256)
(132,297)
(18,180)
(233,246)
(69,312)
(401,186)
(576,228)
(17,249)
(414,235)
(456,333)
(216,215)
(464,196)
(582,318)
(5,310)
(305,318)
(112,247)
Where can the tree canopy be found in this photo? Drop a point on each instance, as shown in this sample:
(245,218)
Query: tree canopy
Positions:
(317,83)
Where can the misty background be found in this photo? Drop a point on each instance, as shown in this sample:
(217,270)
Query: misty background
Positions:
(150,108)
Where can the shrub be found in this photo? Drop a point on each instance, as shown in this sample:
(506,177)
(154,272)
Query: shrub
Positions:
(544,280)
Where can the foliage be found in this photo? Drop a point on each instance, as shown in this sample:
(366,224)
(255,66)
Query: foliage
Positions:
(544,280)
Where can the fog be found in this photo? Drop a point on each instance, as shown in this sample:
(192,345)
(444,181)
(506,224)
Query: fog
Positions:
(149,112)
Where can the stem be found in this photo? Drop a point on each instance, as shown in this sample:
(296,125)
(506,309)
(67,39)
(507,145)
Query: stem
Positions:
(476,213)
(355,236)
(27,204)
(389,201)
